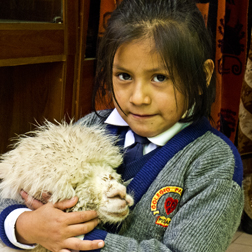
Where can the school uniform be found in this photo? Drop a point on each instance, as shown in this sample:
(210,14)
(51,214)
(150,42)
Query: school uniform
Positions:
(188,195)
(187,191)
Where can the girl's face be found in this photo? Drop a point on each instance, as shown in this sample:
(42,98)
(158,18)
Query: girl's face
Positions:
(150,102)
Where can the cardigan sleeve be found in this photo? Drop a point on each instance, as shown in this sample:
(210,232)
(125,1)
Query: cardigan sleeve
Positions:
(6,207)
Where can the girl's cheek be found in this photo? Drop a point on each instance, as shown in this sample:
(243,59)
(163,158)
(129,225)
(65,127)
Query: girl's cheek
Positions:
(119,92)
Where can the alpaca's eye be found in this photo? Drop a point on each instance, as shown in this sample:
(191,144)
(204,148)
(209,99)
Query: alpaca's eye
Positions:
(111,177)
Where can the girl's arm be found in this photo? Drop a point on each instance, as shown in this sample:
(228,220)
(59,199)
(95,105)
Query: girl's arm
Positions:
(54,229)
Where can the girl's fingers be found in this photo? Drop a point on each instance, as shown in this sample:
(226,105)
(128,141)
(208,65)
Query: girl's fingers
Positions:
(34,204)
(73,218)
(31,203)
(45,197)
(83,228)
(25,196)
(77,244)
(66,250)
(64,204)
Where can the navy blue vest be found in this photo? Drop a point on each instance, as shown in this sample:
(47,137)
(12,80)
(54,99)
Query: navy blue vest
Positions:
(129,170)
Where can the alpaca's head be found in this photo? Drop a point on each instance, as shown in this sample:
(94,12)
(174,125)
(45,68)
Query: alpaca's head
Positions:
(105,193)
(68,160)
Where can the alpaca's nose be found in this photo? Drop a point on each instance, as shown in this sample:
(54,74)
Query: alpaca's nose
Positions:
(129,200)
(118,192)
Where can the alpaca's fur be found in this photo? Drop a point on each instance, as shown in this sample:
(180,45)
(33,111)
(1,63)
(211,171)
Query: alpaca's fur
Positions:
(68,160)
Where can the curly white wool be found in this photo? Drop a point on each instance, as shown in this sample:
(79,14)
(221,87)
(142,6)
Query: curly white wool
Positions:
(68,160)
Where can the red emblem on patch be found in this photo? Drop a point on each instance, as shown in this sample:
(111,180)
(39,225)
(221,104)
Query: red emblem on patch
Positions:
(170,205)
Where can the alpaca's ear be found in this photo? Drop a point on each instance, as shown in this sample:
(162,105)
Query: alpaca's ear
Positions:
(4,168)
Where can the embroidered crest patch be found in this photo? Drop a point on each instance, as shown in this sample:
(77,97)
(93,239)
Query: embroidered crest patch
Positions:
(169,204)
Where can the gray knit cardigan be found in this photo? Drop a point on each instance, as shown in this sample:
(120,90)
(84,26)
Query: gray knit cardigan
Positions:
(188,196)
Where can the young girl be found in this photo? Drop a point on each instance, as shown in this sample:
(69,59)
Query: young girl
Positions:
(155,60)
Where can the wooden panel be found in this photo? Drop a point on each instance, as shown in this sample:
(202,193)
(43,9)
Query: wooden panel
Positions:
(84,91)
(30,91)
(85,71)
(30,26)
(71,26)
(27,94)
(31,60)
(31,43)
(30,10)
(69,79)
(71,19)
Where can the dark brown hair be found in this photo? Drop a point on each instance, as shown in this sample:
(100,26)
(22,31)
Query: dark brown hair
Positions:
(180,37)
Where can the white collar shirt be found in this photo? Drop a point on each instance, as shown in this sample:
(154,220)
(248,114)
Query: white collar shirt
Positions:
(160,140)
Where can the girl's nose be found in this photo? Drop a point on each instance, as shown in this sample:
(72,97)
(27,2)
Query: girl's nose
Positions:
(140,94)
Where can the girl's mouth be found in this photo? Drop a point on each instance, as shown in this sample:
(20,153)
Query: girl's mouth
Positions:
(143,116)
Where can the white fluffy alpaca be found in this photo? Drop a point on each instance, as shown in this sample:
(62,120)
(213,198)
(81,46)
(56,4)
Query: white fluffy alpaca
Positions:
(67,160)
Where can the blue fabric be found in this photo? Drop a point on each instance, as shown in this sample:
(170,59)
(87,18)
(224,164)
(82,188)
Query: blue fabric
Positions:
(130,170)
(135,151)
(119,131)
(3,216)
(96,234)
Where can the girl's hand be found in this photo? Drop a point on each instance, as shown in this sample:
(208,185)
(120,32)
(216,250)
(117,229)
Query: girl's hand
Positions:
(55,230)
(34,204)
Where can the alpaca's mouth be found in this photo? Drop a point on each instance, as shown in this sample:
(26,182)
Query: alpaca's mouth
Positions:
(125,212)
(121,213)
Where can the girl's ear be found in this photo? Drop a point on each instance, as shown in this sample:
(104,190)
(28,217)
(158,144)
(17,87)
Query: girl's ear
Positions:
(208,69)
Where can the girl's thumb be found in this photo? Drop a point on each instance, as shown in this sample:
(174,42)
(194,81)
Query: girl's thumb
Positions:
(64,204)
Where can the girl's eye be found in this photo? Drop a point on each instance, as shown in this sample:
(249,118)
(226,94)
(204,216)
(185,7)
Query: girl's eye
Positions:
(159,78)
(124,76)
